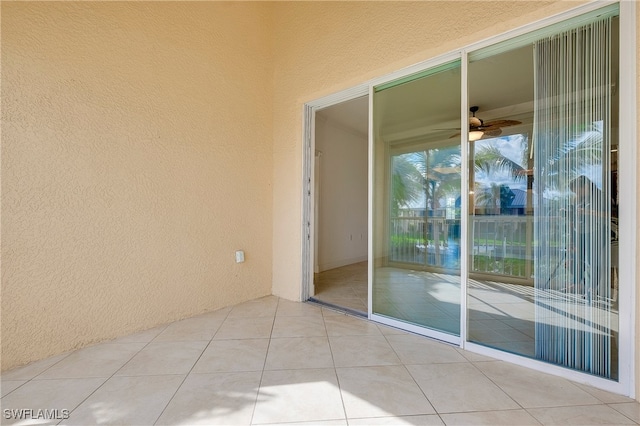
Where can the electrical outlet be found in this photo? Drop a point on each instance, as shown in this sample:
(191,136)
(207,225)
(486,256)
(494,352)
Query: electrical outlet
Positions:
(239,256)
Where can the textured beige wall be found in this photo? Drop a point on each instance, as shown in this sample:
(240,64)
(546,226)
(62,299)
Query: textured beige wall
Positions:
(136,158)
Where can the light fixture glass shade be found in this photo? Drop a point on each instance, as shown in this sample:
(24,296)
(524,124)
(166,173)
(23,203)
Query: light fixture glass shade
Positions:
(474,135)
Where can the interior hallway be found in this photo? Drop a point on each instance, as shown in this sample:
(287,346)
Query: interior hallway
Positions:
(271,361)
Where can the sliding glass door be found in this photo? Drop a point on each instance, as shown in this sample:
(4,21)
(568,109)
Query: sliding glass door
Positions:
(541,213)
(543,235)
(417,181)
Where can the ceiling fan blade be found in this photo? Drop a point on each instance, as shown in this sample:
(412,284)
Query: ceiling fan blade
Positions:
(493,132)
(501,123)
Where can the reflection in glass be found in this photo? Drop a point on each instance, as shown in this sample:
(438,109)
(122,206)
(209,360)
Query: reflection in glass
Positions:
(543,213)
(416,277)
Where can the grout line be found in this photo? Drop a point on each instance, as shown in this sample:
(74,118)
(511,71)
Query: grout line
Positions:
(191,369)
(111,376)
(264,364)
(404,365)
(335,371)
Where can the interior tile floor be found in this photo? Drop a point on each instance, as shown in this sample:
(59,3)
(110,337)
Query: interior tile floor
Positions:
(501,315)
(272,361)
(346,287)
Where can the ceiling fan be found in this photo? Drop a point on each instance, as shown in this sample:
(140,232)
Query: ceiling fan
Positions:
(479,129)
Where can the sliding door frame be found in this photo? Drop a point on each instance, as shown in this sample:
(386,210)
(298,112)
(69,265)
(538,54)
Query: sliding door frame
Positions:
(308,179)
(408,72)
(628,139)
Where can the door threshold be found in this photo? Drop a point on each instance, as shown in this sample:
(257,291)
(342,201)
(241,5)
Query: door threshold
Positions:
(338,308)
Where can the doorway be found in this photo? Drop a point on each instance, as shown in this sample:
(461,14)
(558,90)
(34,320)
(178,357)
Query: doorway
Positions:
(340,188)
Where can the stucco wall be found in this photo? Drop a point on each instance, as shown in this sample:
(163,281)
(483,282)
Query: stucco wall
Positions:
(136,158)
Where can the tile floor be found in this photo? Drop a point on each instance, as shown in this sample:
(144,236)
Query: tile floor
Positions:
(345,286)
(271,361)
(501,315)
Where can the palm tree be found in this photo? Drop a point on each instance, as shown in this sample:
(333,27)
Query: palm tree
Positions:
(428,175)
(494,197)
(407,181)
(490,160)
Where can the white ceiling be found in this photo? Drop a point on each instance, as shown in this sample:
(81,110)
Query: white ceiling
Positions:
(500,86)
(352,114)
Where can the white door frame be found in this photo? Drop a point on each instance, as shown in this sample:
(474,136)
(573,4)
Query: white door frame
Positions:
(309,245)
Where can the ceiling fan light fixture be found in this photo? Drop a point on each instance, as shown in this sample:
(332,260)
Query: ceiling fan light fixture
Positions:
(475,135)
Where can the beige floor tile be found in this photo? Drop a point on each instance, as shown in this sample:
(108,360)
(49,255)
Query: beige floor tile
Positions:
(331,312)
(580,415)
(474,357)
(361,351)
(31,370)
(388,330)
(101,360)
(459,387)
(8,386)
(414,349)
(267,301)
(287,308)
(223,385)
(144,336)
(289,353)
(491,418)
(381,391)
(316,423)
(53,394)
(352,303)
(299,327)
(535,389)
(345,286)
(298,396)
(197,328)
(254,309)
(232,356)
(164,358)
(350,326)
(127,401)
(428,420)
(210,399)
(629,409)
(604,396)
(245,328)
(338,289)
(221,313)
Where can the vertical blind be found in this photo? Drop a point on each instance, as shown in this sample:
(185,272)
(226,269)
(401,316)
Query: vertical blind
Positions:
(575,316)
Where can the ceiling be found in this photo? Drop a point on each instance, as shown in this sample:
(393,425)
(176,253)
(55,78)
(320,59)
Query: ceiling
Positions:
(428,108)
(352,114)
(501,85)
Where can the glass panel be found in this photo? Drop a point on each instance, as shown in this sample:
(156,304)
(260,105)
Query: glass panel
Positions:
(416,276)
(543,227)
